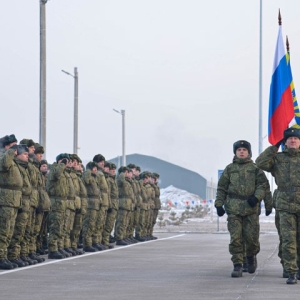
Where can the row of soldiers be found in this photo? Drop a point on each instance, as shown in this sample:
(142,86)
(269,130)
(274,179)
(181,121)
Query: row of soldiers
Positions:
(69,205)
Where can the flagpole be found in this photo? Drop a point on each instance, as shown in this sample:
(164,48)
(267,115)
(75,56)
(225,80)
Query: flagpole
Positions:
(260,134)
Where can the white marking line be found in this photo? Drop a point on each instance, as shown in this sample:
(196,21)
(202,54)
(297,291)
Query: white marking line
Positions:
(55,261)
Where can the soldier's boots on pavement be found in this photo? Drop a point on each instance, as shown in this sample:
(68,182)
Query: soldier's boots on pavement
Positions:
(245,265)
(90,249)
(41,251)
(70,251)
(121,243)
(35,257)
(112,239)
(286,275)
(252,264)
(292,279)
(98,247)
(140,239)
(65,253)
(237,271)
(20,263)
(78,251)
(55,255)
(5,264)
(29,260)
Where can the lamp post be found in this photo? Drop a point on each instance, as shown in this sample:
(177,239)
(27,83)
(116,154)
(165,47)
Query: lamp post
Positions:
(42,127)
(260,138)
(75,133)
(122,112)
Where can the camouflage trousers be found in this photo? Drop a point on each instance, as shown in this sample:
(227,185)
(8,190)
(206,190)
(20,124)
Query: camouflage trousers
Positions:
(140,229)
(75,232)
(69,217)
(56,223)
(243,230)
(101,218)
(277,224)
(149,221)
(154,217)
(121,224)
(30,231)
(8,217)
(89,226)
(109,225)
(130,221)
(42,223)
(290,235)
(19,242)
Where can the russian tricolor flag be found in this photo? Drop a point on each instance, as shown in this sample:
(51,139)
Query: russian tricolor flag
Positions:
(281,105)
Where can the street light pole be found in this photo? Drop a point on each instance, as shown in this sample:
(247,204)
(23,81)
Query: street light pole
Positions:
(42,127)
(75,132)
(122,112)
(260,138)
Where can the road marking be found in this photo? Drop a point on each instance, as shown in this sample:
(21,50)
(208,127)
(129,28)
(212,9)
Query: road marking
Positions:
(55,261)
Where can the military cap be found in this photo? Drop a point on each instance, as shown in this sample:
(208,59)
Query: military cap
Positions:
(22,148)
(62,156)
(138,168)
(242,144)
(44,162)
(107,165)
(98,158)
(113,166)
(144,175)
(38,148)
(8,139)
(289,132)
(90,165)
(27,142)
(123,169)
(75,157)
(155,175)
(131,166)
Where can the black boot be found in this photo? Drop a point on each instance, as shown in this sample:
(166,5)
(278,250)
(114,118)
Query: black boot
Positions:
(237,271)
(71,251)
(65,253)
(6,264)
(121,243)
(286,275)
(112,239)
(292,279)
(140,239)
(29,260)
(78,251)
(20,263)
(252,264)
(89,249)
(35,257)
(55,255)
(245,265)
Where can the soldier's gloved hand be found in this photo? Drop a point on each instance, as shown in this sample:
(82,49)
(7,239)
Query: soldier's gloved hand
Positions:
(78,210)
(252,201)
(268,212)
(279,143)
(109,210)
(38,210)
(20,210)
(220,211)
(64,161)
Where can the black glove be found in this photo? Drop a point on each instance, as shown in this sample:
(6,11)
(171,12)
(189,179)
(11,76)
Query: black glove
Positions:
(279,143)
(252,201)
(268,212)
(20,210)
(220,211)
(64,161)
(109,210)
(38,210)
(78,210)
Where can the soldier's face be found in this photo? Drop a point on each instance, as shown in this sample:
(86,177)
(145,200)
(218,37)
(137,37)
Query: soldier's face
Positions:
(39,156)
(293,142)
(112,172)
(31,149)
(95,170)
(44,168)
(106,169)
(101,164)
(242,153)
(23,156)
(75,164)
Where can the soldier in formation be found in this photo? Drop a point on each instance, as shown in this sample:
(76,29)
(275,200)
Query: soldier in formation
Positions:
(45,209)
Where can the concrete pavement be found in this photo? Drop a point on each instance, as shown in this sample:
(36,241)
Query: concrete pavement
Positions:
(176,266)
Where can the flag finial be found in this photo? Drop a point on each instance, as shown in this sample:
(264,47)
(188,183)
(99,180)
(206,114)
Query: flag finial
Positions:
(287,44)
(279,18)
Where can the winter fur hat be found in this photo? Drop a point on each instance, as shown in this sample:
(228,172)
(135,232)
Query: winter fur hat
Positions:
(8,139)
(38,148)
(98,158)
(91,165)
(289,132)
(62,156)
(22,148)
(27,142)
(44,162)
(242,144)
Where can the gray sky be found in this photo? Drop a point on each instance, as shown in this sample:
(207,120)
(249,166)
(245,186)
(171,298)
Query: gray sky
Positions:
(186,72)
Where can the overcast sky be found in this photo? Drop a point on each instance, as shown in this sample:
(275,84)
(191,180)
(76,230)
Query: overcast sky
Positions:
(185,72)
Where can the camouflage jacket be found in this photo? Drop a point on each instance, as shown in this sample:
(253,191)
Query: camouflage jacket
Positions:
(11,181)
(82,193)
(126,193)
(284,166)
(144,196)
(240,180)
(113,191)
(103,188)
(91,183)
(157,202)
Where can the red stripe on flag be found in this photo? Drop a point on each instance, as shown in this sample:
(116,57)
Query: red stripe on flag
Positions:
(282,116)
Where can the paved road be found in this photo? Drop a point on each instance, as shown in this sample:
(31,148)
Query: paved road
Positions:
(176,266)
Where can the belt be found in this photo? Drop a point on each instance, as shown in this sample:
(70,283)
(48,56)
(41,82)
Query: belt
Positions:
(238,196)
(25,197)
(289,189)
(71,198)
(58,198)
(5,187)
(94,197)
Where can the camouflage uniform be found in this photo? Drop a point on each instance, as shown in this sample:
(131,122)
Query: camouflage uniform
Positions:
(11,183)
(93,205)
(284,166)
(126,198)
(240,180)
(157,206)
(149,214)
(19,242)
(58,191)
(131,214)
(113,209)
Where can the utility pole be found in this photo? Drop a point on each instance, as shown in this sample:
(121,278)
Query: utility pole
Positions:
(122,112)
(260,134)
(75,129)
(42,127)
